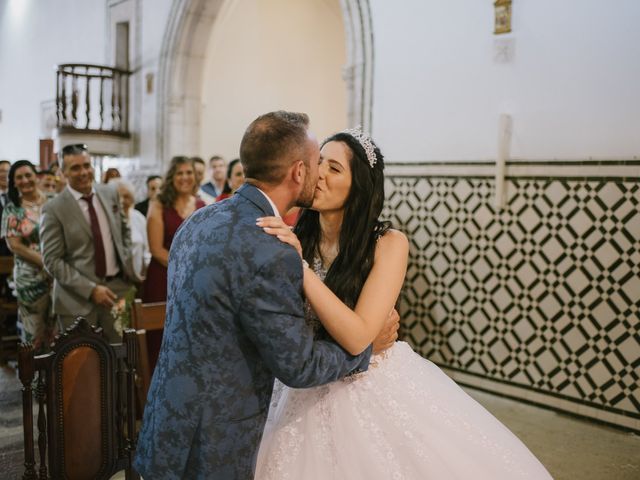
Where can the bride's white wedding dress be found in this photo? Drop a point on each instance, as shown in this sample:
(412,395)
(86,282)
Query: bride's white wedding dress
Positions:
(402,419)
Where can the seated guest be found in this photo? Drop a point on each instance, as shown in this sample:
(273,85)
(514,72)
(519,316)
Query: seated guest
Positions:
(199,168)
(176,201)
(218,181)
(140,254)
(21,228)
(154,182)
(235,179)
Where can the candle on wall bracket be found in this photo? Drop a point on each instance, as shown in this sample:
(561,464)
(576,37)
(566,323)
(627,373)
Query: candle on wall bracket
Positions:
(504,141)
(502,16)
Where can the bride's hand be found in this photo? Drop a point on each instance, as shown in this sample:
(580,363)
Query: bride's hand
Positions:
(275,226)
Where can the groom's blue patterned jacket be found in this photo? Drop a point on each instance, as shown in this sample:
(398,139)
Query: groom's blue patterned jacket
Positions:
(234,322)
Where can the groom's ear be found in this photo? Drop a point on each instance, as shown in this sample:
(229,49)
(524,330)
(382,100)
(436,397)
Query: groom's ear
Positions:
(298,171)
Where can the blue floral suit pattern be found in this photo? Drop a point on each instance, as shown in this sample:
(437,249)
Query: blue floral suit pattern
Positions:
(234,321)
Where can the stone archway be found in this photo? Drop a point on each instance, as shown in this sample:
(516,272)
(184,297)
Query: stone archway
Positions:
(181,71)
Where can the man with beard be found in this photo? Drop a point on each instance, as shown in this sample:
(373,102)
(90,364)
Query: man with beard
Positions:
(235,318)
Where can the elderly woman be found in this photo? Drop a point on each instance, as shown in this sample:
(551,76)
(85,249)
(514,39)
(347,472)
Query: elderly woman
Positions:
(140,253)
(20,227)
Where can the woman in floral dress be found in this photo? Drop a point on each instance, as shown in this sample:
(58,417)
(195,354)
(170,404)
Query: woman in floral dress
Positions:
(21,228)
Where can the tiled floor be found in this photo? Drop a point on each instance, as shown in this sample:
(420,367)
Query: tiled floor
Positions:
(571,449)
(11,456)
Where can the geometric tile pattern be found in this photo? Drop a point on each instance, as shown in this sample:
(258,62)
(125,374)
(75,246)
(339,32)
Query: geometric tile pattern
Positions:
(543,294)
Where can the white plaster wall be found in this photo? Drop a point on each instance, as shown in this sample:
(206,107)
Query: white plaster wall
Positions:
(266,55)
(35,36)
(572,86)
(155,14)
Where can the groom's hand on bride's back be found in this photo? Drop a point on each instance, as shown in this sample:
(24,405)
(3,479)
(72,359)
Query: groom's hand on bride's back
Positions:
(389,333)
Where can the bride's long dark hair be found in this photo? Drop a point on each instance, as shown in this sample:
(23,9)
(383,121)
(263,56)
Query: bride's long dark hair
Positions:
(360,225)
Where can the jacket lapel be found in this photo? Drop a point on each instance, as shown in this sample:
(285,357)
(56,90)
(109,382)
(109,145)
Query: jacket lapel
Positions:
(70,204)
(112,211)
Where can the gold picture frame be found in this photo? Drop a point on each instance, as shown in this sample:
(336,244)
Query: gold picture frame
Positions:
(502,16)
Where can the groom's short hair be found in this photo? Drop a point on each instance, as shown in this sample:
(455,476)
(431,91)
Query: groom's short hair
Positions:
(272,143)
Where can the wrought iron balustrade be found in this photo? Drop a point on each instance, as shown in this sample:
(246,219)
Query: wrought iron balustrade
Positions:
(92,99)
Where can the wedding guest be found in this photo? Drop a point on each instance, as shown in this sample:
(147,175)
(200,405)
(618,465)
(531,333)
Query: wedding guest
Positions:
(199,169)
(21,228)
(140,254)
(175,202)
(154,182)
(215,186)
(235,179)
(61,182)
(110,174)
(85,246)
(47,183)
(5,165)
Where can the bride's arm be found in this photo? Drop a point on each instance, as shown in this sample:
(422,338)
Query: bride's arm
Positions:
(356,330)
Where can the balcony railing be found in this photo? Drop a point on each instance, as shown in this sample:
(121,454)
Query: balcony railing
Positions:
(92,99)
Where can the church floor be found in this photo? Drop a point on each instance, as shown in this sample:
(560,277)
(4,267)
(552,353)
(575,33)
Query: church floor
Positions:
(570,448)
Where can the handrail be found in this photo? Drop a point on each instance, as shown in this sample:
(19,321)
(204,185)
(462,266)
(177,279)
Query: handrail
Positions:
(63,66)
(81,108)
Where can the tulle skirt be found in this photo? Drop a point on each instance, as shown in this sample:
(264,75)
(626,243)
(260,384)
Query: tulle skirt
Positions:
(404,419)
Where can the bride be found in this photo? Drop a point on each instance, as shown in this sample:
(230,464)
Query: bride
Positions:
(403,418)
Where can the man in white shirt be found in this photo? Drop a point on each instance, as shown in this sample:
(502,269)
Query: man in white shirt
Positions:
(85,246)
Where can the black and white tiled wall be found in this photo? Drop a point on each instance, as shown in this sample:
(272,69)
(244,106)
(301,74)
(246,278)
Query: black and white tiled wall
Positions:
(538,299)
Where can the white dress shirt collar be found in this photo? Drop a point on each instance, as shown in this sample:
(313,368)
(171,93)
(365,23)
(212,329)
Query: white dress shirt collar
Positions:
(273,205)
(77,195)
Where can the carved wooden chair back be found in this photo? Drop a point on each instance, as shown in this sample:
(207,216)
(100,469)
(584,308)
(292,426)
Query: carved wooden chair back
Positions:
(85,396)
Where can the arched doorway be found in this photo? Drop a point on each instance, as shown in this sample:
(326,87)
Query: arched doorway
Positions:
(182,70)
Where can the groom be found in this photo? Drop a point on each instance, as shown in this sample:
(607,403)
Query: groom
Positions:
(235,318)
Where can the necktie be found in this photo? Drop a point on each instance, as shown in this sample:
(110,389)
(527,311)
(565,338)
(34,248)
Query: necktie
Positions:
(98,246)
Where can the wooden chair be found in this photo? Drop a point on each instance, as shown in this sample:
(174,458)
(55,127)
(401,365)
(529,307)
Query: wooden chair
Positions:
(85,391)
(147,317)
(8,308)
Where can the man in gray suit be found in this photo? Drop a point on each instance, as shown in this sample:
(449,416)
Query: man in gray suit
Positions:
(85,245)
(235,318)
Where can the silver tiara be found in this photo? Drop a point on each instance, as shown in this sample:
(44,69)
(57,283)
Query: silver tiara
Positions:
(365,141)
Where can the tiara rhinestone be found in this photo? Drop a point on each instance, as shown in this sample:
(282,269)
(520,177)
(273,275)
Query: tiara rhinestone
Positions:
(365,141)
